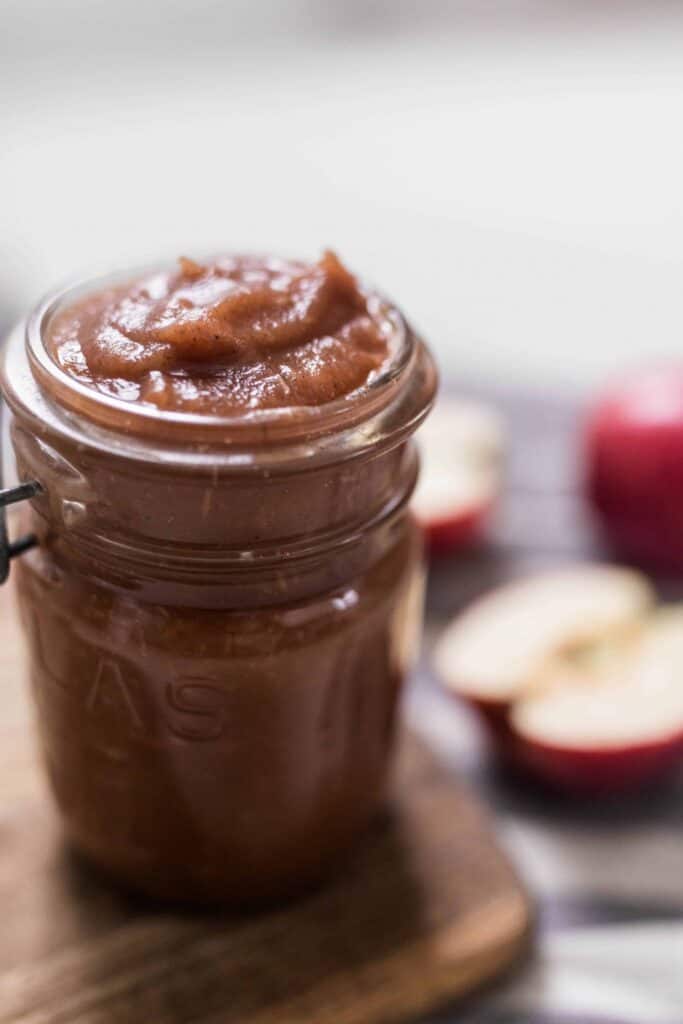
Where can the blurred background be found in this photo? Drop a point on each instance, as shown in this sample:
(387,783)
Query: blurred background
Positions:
(509,170)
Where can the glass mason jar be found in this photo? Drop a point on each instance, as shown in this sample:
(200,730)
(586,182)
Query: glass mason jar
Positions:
(219,616)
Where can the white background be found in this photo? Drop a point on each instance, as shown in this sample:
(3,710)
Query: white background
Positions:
(511,172)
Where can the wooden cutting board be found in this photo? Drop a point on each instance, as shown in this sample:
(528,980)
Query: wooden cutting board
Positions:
(427,910)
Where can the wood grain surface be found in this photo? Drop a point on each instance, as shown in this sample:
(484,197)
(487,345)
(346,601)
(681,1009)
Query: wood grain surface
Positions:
(427,909)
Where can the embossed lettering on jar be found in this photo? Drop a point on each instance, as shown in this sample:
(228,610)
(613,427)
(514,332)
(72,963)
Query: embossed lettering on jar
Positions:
(226,593)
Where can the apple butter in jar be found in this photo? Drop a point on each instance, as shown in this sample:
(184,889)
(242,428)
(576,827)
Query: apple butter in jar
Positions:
(224,596)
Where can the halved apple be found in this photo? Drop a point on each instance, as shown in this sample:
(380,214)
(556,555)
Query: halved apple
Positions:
(492,652)
(612,722)
(461,448)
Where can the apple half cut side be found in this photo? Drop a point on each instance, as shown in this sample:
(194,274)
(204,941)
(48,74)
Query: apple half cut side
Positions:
(609,727)
(493,653)
(462,447)
(492,650)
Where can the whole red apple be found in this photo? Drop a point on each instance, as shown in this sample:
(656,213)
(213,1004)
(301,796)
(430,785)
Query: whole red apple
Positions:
(634,466)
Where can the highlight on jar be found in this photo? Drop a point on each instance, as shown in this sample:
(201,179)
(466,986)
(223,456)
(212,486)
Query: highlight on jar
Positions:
(218,572)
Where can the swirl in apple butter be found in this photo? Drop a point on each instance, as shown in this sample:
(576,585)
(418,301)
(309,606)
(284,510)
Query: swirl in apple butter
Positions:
(219,615)
(237,334)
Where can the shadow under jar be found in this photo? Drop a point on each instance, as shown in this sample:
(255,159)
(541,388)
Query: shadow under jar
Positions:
(219,613)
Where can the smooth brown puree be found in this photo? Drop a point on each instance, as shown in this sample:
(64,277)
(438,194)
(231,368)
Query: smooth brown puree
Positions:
(226,337)
(217,649)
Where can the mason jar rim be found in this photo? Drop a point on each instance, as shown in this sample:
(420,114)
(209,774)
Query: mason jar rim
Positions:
(392,403)
(140,418)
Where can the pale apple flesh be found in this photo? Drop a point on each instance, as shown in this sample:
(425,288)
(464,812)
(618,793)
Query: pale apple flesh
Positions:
(577,675)
(612,725)
(503,640)
(461,455)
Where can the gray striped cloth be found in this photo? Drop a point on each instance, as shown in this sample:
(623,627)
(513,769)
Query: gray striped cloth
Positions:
(607,876)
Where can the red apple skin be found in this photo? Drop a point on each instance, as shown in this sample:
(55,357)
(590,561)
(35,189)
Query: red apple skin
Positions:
(597,772)
(494,716)
(602,772)
(450,534)
(634,467)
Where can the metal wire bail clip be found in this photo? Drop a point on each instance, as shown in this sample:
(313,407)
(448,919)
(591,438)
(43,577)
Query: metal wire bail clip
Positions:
(8,551)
